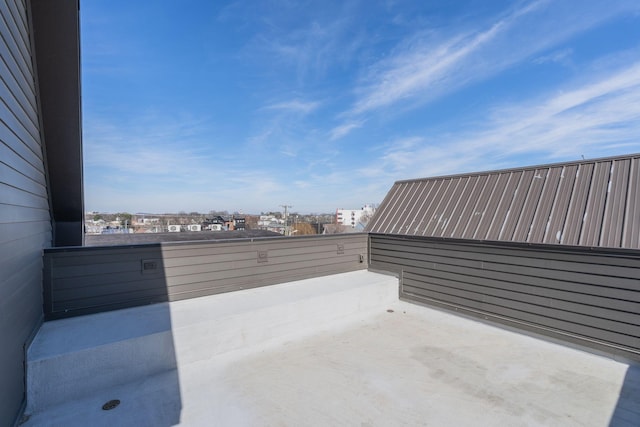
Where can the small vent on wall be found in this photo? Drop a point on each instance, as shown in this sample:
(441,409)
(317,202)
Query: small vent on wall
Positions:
(340,249)
(148,266)
(262,256)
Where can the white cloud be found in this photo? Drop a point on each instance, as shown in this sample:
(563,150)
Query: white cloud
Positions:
(429,65)
(558,56)
(587,118)
(310,40)
(344,129)
(295,106)
(595,118)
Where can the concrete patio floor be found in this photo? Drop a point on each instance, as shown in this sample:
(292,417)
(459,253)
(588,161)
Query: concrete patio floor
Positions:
(403,364)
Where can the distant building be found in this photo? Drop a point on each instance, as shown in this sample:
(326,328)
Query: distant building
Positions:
(239,223)
(271,223)
(216,223)
(269,220)
(94,226)
(354,218)
(226,222)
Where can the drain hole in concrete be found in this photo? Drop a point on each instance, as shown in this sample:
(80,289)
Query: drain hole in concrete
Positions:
(110,405)
(389,311)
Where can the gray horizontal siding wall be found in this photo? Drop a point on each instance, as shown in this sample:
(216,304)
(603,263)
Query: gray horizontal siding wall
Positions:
(590,297)
(93,279)
(25,227)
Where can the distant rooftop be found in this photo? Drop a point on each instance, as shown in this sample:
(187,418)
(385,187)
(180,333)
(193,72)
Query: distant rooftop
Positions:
(186,236)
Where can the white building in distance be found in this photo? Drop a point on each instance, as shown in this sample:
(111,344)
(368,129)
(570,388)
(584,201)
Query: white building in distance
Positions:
(355,217)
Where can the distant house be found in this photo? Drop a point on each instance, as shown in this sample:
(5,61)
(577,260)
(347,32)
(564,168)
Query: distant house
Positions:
(239,223)
(148,221)
(94,226)
(354,218)
(224,222)
(271,223)
(216,223)
(269,220)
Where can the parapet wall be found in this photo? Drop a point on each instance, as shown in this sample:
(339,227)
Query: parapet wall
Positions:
(85,280)
(588,296)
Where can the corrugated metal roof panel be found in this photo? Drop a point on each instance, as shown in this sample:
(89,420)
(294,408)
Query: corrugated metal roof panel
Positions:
(489,210)
(408,207)
(420,197)
(479,209)
(502,210)
(530,205)
(392,223)
(383,209)
(427,203)
(517,204)
(587,203)
(547,197)
(430,213)
(613,220)
(577,203)
(468,208)
(590,235)
(631,229)
(443,214)
(560,206)
(391,205)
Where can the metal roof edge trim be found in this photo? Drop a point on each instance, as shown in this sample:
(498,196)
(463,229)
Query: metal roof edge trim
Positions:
(602,250)
(521,169)
(201,242)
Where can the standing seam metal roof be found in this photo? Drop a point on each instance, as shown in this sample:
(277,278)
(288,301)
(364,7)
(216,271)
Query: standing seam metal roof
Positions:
(593,203)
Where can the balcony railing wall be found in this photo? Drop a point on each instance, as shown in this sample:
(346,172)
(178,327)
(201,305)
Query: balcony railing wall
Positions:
(590,297)
(87,280)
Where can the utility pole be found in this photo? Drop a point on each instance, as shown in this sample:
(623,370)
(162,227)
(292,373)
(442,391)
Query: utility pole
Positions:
(286,222)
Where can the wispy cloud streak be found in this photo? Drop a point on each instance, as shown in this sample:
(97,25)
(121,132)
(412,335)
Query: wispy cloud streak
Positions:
(593,119)
(294,106)
(429,65)
(342,130)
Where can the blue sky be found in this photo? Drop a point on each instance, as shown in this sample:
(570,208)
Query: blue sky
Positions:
(248,105)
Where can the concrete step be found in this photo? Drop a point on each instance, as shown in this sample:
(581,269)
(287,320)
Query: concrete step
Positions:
(72,358)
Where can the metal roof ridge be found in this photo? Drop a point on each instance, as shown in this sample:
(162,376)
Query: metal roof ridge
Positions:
(521,169)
